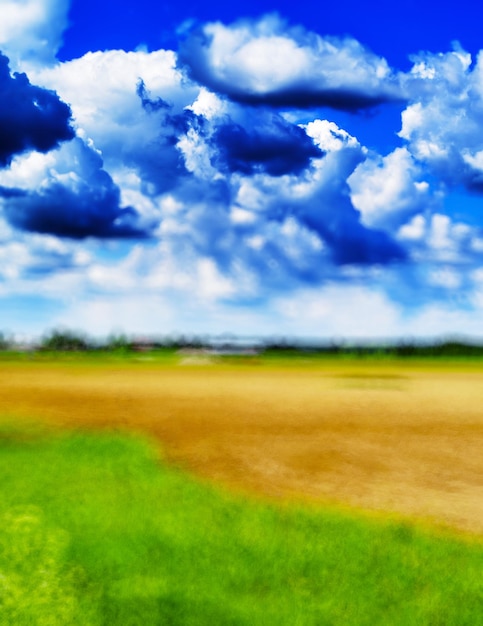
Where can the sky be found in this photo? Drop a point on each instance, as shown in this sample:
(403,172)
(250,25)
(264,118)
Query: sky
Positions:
(273,169)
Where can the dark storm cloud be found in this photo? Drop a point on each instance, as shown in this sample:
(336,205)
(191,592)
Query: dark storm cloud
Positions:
(172,125)
(61,211)
(305,96)
(85,203)
(244,140)
(329,212)
(159,163)
(148,103)
(349,241)
(31,118)
(275,147)
(353,244)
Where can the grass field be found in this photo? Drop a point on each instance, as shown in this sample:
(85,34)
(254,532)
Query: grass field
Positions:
(96,530)
(405,436)
(107,528)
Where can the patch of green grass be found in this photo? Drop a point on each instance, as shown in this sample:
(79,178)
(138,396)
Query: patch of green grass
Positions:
(269,358)
(94,530)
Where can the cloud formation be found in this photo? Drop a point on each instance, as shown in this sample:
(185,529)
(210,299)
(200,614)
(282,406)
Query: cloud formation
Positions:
(31,118)
(216,181)
(265,62)
(442,124)
(31,30)
(389,190)
(266,144)
(121,115)
(74,196)
(330,212)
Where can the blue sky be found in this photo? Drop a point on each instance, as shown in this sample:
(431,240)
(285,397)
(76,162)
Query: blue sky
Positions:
(298,169)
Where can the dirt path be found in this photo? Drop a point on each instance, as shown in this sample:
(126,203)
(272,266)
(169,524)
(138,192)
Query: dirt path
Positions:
(400,440)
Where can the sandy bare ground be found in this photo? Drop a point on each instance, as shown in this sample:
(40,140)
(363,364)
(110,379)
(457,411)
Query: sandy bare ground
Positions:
(397,439)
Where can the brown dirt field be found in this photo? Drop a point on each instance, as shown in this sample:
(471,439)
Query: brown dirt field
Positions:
(395,439)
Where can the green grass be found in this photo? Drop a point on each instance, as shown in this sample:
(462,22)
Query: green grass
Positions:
(94,529)
(269,358)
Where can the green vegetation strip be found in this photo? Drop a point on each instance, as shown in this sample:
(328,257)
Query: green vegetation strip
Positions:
(95,530)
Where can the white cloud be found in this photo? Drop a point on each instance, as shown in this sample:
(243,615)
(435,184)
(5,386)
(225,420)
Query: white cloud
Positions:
(324,313)
(439,232)
(208,105)
(211,283)
(336,311)
(198,155)
(31,258)
(414,230)
(445,277)
(263,59)
(101,315)
(31,30)
(387,190)
(328,136)
(475,159)
(101,86)
(477,244)
(437,239)
(443,120)
(436,320)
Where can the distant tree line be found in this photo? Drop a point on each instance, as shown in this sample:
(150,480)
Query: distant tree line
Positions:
(64,342)
(72,341)
(436,349)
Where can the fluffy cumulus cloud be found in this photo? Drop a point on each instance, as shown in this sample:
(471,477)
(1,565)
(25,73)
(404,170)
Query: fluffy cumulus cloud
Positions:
(442,123)
(31,30)
(389,190)
(267,62)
